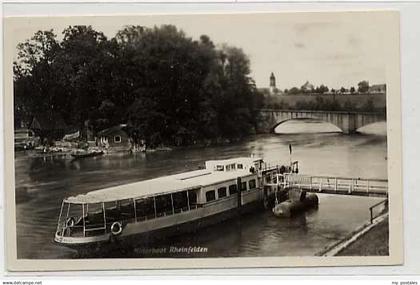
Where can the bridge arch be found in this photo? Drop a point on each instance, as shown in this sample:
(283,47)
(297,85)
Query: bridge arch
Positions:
(347,122)
(273,129)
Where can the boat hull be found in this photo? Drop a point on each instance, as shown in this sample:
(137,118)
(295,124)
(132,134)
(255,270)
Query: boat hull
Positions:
(131,237)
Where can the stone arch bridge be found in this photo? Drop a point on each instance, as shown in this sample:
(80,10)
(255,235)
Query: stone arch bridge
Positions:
(348,122)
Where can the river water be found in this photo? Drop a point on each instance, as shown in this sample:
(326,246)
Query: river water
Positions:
(42,183)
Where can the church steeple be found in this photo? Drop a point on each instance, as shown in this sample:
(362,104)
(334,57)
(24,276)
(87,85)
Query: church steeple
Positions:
(273,87)
(272,80)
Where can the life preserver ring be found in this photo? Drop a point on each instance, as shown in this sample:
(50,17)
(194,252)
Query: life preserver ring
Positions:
(70,222)
(116,228)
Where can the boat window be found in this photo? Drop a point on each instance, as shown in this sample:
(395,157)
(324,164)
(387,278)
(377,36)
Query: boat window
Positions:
(62,218)
(117,139)
(221,192)
(210,195)
(180,201)
(220,168)
(233,189)
(126,209)
(95,215)
(163,205)
(72,214)
(240,166)
(232,166)
(192,197)
(243,186)
(251,184)
(227,167)
(145,208)
(75,210)
(113,210)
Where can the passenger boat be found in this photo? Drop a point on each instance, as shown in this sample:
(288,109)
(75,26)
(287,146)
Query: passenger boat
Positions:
(150,210)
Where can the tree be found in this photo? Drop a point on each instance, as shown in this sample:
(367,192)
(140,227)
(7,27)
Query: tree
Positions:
(321,89)
(294,90)
(363,86)
(166,86)
(35,79)
(352,90)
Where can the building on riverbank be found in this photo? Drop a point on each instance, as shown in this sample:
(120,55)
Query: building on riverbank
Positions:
(115,139)
(48,126)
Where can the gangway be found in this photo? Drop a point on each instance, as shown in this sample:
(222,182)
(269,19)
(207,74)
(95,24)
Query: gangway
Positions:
(336,185)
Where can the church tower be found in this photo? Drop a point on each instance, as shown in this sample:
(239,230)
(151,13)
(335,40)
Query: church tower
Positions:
(272,83)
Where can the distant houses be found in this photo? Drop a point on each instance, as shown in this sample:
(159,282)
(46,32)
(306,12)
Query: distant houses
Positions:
(307,87)
(377,88)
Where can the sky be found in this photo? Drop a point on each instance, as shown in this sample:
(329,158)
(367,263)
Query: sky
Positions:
(334,49)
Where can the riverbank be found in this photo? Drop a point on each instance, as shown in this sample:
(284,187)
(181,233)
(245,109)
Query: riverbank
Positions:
(373,243)
(367,240)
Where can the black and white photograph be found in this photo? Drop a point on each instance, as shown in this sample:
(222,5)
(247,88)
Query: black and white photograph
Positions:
(203,138)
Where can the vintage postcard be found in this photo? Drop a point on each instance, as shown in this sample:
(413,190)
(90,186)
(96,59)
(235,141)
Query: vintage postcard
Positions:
(203,141)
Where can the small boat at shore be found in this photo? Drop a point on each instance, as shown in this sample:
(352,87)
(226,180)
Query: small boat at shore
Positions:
(155,209)
(87,153)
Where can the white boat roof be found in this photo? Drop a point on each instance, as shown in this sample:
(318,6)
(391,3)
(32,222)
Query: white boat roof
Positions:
(244,160)
(162,185)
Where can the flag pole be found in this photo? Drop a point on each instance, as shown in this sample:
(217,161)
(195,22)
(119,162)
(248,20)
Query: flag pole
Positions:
(290,156)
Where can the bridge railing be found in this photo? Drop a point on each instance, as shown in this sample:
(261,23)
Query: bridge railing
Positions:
(337,184)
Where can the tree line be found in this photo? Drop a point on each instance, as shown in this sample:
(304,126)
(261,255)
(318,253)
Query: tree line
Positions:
(322,104)
(167,87)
